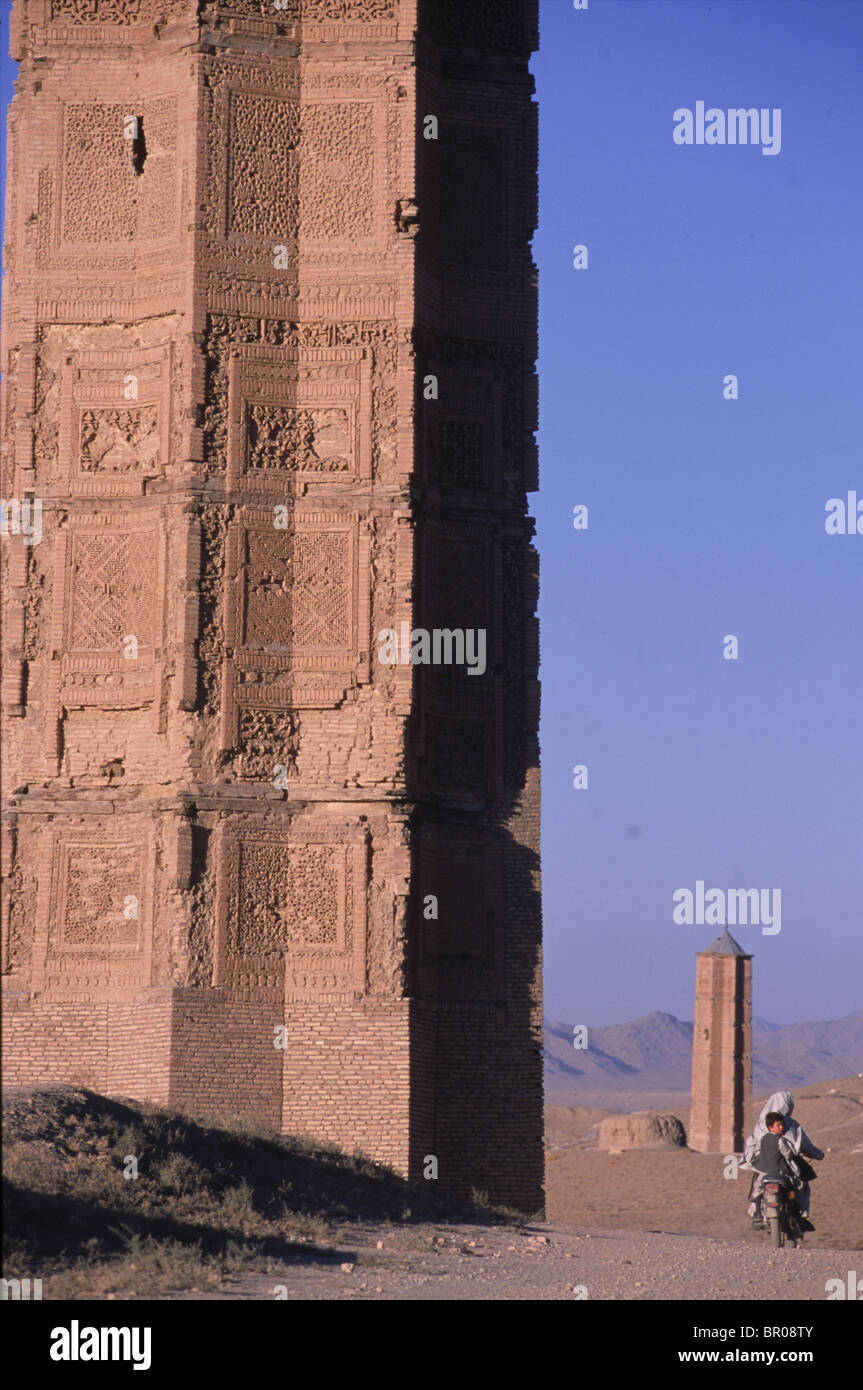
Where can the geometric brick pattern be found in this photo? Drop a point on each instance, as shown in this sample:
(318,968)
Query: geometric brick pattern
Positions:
(292,911)
(234,262)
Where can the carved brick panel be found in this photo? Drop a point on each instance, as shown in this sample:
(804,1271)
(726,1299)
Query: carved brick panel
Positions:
(310,11)
(297,613)
(311,176)
(343,151)
(475,218)
(519,640)
(298,417)
(486,25)
(95,916)
(107,632)
(489,382)
(292,909)
(459,568)
(115,424)
(263,139)
(268,738)
(115,11)
(327,21)
(100,201)
(458,583)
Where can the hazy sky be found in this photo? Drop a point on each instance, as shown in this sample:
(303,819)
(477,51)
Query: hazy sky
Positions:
(706,516)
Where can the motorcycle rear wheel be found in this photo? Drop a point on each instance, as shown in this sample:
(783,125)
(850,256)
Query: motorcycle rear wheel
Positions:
(774,1225)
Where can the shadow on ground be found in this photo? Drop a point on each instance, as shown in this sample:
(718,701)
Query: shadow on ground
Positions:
(140,1191)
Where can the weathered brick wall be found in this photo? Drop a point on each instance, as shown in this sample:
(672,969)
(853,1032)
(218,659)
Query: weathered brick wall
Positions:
(474,751)
(721,1053)
(488,1113)
(54,1046)
(234,260)
(117,1049)
(223,1061)
(347,1076)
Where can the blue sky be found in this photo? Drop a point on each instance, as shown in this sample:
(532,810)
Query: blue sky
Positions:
(706,516)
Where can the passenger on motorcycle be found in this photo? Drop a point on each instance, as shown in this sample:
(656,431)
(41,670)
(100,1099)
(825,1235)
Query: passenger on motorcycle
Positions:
(774,1159)
(795,1146)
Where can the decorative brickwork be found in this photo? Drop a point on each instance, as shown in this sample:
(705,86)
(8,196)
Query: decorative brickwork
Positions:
(293,912)
(298,417)
(234,261)
(116,11)
(94,934)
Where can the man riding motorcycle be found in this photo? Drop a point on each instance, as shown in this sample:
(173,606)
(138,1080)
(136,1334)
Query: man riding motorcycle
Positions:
(796,1147)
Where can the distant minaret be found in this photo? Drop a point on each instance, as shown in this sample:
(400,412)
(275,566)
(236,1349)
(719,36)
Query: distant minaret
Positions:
(721,1047)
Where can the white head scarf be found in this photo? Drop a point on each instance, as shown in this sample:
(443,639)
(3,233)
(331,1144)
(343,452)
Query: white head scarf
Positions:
(780,1103)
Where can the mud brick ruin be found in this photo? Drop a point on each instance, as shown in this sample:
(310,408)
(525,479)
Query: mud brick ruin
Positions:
(721,1048)
(268,345)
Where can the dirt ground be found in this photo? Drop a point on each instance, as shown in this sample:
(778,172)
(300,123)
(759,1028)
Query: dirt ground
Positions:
(676,1190)
(542,1261)
(646,1225)
(641,1225)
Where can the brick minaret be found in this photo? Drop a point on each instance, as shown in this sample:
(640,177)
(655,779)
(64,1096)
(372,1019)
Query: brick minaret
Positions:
(268,343)
(721,1047)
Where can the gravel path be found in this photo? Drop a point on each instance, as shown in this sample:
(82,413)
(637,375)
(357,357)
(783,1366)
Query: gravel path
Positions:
(546,1262)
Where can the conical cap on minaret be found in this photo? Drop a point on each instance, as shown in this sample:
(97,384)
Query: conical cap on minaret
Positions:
(725,945)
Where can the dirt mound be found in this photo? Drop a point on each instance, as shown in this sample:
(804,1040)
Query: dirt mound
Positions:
(566,1125)
(644,1129)
(90,1180)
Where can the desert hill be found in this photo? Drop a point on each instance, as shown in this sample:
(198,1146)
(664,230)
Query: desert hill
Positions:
(209,1200)
(653,1055)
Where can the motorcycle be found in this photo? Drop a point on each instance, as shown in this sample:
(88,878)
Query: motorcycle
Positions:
(780,1212)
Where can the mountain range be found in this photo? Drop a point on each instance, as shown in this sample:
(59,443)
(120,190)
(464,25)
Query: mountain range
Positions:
(654,1053)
